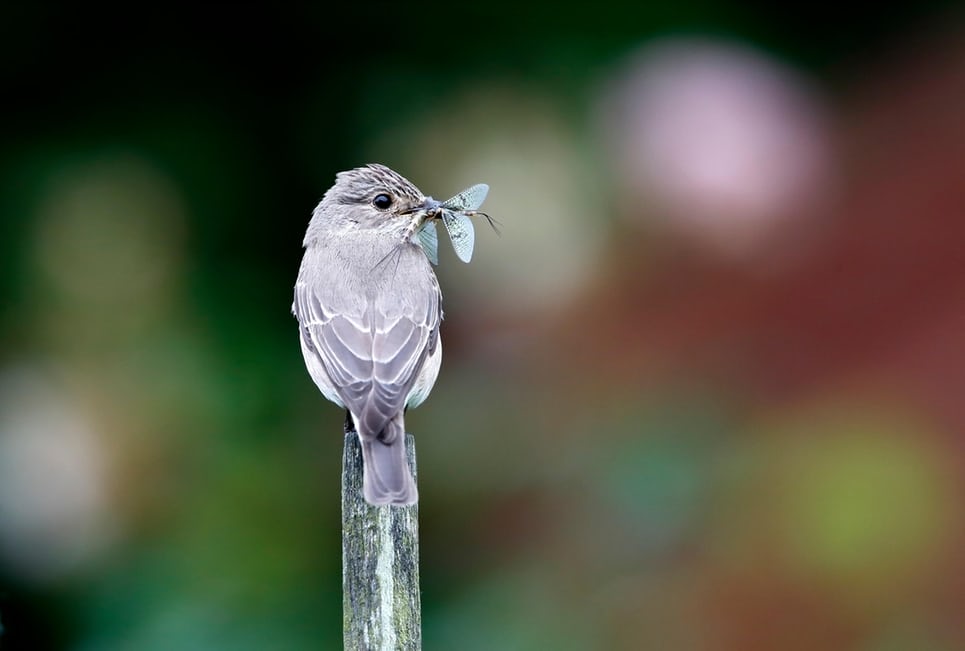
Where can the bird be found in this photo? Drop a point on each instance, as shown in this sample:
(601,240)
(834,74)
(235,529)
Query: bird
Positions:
(369,308)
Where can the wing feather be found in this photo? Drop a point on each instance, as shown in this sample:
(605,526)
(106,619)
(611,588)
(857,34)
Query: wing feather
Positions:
(371,359)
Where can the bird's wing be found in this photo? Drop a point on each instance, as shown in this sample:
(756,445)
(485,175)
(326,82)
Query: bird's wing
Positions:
(339,342)
(372,359)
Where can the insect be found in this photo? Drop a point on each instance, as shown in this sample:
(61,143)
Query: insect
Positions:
(455,214)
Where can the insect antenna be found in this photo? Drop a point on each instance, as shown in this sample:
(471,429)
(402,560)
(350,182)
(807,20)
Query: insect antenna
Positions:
(493,222)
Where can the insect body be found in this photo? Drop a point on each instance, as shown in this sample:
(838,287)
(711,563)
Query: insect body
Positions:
(455,214)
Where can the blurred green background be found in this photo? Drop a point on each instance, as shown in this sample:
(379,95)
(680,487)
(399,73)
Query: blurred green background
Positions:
(705,392)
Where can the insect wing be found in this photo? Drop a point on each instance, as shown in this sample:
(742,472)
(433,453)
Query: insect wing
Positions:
(429,239)
(468,199)
(461,233)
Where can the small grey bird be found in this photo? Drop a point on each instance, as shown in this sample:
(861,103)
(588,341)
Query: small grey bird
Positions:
(369,307)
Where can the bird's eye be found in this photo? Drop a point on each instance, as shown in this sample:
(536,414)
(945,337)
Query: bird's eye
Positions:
(382,201)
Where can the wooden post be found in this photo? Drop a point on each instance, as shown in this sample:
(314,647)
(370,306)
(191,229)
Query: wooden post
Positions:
(380,564)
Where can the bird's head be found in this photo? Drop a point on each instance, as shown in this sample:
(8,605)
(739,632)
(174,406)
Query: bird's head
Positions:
(370,198)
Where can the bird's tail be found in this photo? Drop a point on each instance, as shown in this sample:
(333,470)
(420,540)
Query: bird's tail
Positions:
(386,478)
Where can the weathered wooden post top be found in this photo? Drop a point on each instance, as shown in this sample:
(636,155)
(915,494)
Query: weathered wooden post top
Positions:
(380,563)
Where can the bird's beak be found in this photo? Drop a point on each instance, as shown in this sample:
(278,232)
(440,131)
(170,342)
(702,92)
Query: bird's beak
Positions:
(429,208)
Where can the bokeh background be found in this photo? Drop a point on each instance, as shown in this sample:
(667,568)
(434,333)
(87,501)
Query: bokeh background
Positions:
(705,392)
